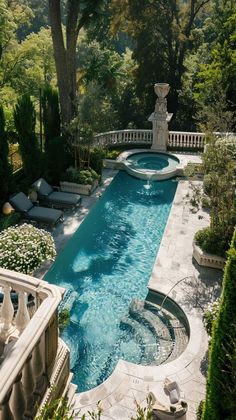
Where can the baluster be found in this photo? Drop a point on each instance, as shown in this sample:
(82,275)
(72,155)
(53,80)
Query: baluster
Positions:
(22,317)
(38,369)
(17,400)
(28,383)
(7,312)
(5,411)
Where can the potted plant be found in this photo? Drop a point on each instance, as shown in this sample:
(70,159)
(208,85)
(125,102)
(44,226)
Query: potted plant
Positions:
(79,181)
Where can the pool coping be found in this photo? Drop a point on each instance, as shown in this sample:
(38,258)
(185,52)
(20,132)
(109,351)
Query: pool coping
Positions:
(123,164)
(129,377)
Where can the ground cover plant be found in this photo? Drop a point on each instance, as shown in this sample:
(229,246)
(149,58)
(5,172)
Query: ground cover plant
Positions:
(23,248)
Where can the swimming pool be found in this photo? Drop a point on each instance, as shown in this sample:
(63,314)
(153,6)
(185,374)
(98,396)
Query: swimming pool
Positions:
(153,161)
(105,266)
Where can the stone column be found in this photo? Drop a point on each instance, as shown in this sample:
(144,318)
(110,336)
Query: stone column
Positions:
(160,118)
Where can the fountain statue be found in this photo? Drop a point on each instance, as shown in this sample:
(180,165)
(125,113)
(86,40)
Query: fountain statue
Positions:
(160,118)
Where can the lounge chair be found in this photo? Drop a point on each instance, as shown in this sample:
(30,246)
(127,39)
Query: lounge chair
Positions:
(51,198)
(39,214)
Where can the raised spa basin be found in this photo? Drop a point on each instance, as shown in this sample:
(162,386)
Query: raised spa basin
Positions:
(152,164)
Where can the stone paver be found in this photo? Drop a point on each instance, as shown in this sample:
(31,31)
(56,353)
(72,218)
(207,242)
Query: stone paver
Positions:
(174,261)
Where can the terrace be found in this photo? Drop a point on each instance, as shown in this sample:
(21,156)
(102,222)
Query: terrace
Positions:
(34,360)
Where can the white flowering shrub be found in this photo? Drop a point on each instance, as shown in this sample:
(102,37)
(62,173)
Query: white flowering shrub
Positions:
(23,248)
(210,314)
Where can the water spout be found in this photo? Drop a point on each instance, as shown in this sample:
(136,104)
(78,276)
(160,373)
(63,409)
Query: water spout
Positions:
(176,284)
(148,185)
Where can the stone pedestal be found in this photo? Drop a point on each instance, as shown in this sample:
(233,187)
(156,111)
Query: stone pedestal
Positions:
(160,118)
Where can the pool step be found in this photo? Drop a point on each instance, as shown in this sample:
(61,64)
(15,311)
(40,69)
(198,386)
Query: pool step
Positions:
(180,341)
(143,336)
(159,327)
(151,318)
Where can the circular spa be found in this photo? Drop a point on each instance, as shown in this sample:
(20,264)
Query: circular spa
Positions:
(154,165)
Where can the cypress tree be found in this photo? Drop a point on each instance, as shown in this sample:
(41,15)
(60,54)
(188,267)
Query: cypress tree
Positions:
(5,167)
(51,115)
(221,383)
(25,119)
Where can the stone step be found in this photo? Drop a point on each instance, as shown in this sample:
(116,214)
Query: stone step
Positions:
(180,341)
(143,336)
(151,318)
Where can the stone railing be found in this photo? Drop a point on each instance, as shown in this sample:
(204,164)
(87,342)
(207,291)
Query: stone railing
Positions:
(124,137)
(177,139)
(32,358)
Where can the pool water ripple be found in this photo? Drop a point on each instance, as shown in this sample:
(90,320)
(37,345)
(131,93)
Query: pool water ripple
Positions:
(107,264)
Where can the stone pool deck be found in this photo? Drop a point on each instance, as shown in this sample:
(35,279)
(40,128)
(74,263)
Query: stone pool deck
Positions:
(129,382)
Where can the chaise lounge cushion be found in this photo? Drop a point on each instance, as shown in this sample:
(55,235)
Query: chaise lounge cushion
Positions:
(42,187)
(44,215)
(55,198)
(40,214)
(21,203)
(64,198)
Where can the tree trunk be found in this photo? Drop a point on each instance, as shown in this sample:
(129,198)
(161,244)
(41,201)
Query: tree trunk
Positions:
(60,56)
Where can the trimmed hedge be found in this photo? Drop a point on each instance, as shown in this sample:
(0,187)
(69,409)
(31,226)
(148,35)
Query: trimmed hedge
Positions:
(221,383)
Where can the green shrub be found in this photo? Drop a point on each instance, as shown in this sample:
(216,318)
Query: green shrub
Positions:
(23,248)
(211,241)
(199,410)
(9,220)
(86,176)
(25,118)
(210,315)
(221,382)
(51,115)
(112,154)
(57,159)
(63,318)
(96,159)
(5,167)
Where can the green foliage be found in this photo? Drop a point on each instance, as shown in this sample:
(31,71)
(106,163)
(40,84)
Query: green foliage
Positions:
(5,167)
(211,241)
(97,154)
(144,413)
(25,117)
(57,159)
(219,184)
(221,382)
(162,34)
(57,409)
(87,176)
(199,410)
(51,116)
(112,154)
(63,318)
(23,248)
(209,316)
(215,87)
(9,220)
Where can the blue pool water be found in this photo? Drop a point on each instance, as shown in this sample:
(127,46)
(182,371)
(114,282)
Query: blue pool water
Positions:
(153,161)
(105,265)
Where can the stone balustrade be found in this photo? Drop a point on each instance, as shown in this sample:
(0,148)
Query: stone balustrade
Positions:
(177,139)
(30,352)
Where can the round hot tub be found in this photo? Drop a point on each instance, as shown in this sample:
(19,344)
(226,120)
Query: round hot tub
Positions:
(155,165)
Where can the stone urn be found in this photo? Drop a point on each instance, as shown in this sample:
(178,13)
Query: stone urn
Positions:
(161,89)
(159,118)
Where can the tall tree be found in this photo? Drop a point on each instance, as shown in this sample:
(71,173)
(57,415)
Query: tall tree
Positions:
(221,383)
(78,14)
(51,116)
(25,118)
(5,167)
(215,87)
(162,31)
